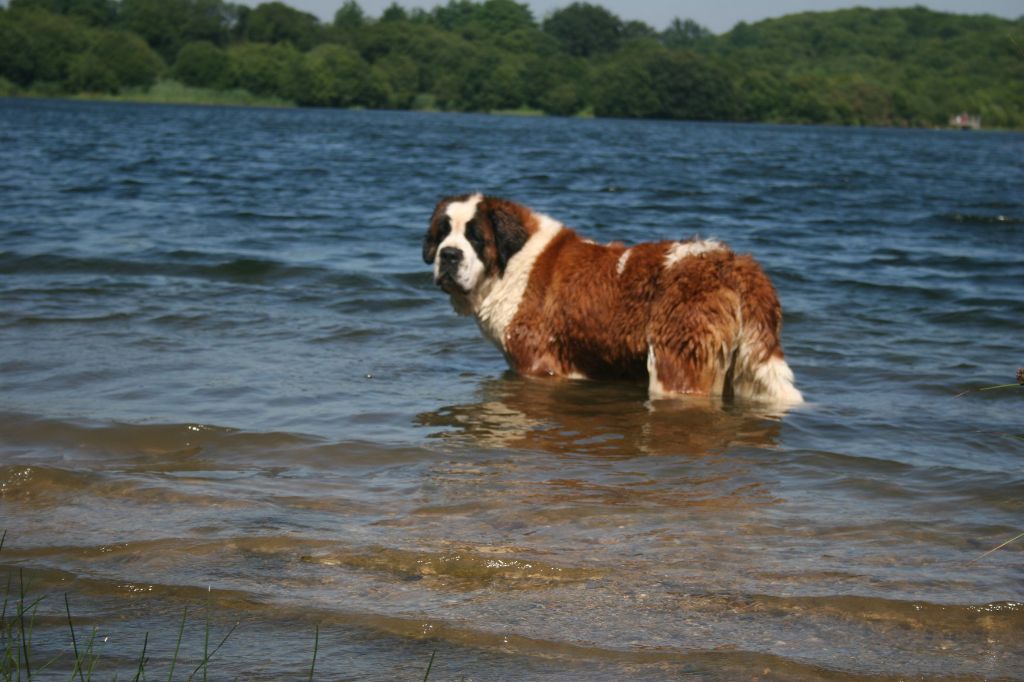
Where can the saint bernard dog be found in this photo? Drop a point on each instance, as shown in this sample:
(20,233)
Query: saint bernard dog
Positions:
(687,317)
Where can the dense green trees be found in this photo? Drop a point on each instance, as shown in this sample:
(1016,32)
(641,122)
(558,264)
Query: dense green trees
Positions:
(128,56)
(584,29)
(275,22)
(894,67)
(17,58)
(649,81)
(202,64)
(336,76)
(852,67)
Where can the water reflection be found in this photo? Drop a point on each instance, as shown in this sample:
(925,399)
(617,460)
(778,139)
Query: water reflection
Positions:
(592,418)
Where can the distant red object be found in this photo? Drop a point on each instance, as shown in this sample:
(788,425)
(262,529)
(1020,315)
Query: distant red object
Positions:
(965,121)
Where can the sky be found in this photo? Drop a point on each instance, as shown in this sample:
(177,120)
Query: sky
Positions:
(718,16)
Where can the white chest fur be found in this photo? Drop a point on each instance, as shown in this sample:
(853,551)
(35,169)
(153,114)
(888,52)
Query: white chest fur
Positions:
(496,305)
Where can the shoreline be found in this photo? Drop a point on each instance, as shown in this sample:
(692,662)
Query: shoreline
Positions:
(174,93)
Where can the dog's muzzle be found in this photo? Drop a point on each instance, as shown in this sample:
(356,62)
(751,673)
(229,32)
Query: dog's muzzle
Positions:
(450,259)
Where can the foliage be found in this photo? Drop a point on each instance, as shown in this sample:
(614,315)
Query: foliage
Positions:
(167,91)
(584,29)
(17,59)
(349,16)
(686,34)
(882,67)
(157,22)
(649,81)
(7,88)
(128,57)
(399,76)
(335,76)
(88,73)
(202,64)
(275,22)
(263,69)
(94,12)
(52,43)
(849,67)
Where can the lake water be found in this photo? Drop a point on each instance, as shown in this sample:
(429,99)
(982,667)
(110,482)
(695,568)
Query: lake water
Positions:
(228,385)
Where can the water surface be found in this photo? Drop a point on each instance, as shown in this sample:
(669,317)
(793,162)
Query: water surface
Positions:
(228,383)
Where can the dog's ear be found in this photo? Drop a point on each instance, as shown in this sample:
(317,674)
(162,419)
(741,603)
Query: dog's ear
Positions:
(438,230)
(510,234)
(430,243)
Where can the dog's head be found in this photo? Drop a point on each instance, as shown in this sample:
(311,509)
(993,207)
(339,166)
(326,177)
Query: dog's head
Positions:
(471,240)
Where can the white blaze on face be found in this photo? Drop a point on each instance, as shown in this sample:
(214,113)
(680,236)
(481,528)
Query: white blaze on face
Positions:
(471,268)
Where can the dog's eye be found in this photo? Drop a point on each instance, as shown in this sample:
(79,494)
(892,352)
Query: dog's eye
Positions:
(473,233)
(444,228)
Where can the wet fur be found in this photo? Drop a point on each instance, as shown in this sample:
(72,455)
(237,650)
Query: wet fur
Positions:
(688,318)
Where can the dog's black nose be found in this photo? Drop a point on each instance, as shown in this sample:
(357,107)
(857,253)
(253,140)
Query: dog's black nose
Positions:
(450,256)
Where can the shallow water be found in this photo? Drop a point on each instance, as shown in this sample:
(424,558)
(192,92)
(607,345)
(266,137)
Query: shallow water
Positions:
(227,384)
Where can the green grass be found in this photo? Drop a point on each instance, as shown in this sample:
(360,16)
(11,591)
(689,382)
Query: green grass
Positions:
(17,622)
(162,92)
(18,662)
(520,111)
(7,88)
(174,92)
(1018,384)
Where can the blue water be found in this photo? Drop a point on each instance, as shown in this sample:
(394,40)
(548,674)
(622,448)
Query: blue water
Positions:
(227,381)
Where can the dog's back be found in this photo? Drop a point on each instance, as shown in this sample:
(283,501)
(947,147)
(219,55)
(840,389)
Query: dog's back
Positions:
(687,317)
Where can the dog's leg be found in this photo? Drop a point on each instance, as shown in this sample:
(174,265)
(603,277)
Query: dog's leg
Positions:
(692,351)
(770,381)
(761,372)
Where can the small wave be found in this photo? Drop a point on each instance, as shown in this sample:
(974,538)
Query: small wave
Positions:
(138,439)
(485,645)
(94,188)
(928,293)
(974,317)
(24,482)
(249,215)
(465,568)
(246,268)
(995,618)
(416,280)
(34,320)
(168,447)
(41,487)
(980,219)
(241,269)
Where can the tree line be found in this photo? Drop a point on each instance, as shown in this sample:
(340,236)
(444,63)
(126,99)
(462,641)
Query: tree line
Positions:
(853,67)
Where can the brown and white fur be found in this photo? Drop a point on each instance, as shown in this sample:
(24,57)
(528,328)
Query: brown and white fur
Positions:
(687,317)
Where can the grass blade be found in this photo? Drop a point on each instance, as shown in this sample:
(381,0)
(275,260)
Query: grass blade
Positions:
(177,646)
(985,388)
(206,636)
(21,618)
(74,642)
(207,658)
(3,614)
(142,659)
(430,665)
(316,645)
(994,549)
(1019,384)
(90,654)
